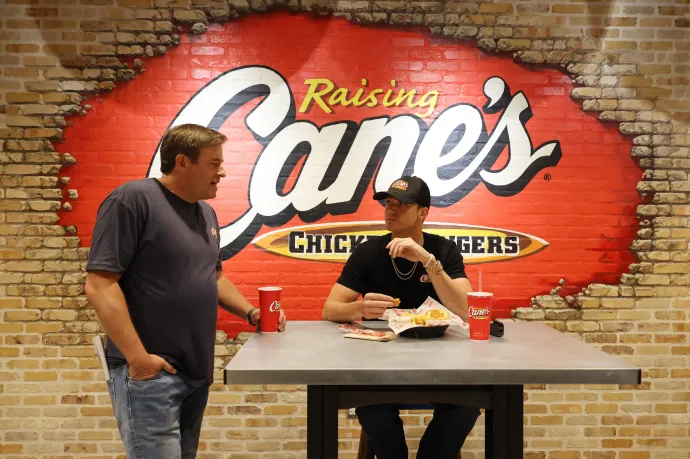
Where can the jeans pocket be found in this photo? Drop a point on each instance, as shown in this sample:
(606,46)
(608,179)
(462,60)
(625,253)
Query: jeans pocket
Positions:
(152,402)
(156,377)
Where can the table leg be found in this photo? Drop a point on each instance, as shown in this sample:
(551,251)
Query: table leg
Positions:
(315,422)
(322,422)
(504,424)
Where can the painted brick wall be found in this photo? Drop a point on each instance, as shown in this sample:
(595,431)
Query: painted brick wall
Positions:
(597,236)
(628,63)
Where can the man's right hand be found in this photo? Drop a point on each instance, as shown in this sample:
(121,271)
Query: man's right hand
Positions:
(373,305)
(148,366)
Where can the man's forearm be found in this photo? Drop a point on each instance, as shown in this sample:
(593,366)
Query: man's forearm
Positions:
(340,311)
(231,299)
(452,295)
(111,308)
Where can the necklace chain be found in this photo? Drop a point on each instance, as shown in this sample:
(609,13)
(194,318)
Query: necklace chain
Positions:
(401,275)
(407,275)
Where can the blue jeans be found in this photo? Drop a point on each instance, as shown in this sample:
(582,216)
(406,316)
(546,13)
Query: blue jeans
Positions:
(159,418)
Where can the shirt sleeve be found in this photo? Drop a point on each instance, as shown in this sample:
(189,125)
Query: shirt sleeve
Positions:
(355,273)
(115,237)
(452,262)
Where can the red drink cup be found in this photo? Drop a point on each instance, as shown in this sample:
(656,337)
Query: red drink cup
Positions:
(479,304)
(269,304)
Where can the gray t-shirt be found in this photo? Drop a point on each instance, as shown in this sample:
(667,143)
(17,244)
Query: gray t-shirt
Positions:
(167,252)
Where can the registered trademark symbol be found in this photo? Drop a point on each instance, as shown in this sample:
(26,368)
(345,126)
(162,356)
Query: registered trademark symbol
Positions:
(547,176)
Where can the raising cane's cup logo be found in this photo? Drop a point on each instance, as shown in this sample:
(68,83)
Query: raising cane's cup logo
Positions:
(479,313)
(274,306)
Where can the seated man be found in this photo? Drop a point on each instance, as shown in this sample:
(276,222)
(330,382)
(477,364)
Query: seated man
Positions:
(410,265)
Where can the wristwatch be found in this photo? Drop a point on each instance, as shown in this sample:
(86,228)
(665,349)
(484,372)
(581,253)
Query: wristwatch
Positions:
(249,316)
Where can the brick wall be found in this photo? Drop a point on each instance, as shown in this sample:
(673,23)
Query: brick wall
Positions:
(629,61)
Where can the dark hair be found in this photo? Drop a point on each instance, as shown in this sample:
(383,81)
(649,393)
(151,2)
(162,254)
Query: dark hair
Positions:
(188,140)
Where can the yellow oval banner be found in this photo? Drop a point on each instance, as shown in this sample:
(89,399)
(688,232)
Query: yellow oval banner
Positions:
(334,242)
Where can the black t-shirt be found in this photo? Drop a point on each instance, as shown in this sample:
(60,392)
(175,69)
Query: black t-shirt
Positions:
(167,252)
(370,270)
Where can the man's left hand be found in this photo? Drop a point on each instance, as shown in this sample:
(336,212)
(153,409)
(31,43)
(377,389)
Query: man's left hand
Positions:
(407,248)
(256,318)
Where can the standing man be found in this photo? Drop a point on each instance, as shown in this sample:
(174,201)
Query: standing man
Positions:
(155,280)
(411,265)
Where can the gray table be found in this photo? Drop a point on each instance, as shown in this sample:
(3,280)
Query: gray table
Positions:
(346,373)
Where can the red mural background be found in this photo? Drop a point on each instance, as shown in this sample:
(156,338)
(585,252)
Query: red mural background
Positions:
(584,208)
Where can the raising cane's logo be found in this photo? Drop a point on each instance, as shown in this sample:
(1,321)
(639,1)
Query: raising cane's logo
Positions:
(453,154)
(400,185)
(274,306)
(478,313)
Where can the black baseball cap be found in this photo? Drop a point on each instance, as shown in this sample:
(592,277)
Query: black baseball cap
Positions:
(407,190)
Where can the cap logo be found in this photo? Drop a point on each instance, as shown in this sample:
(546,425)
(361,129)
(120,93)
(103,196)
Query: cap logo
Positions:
(400,185)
